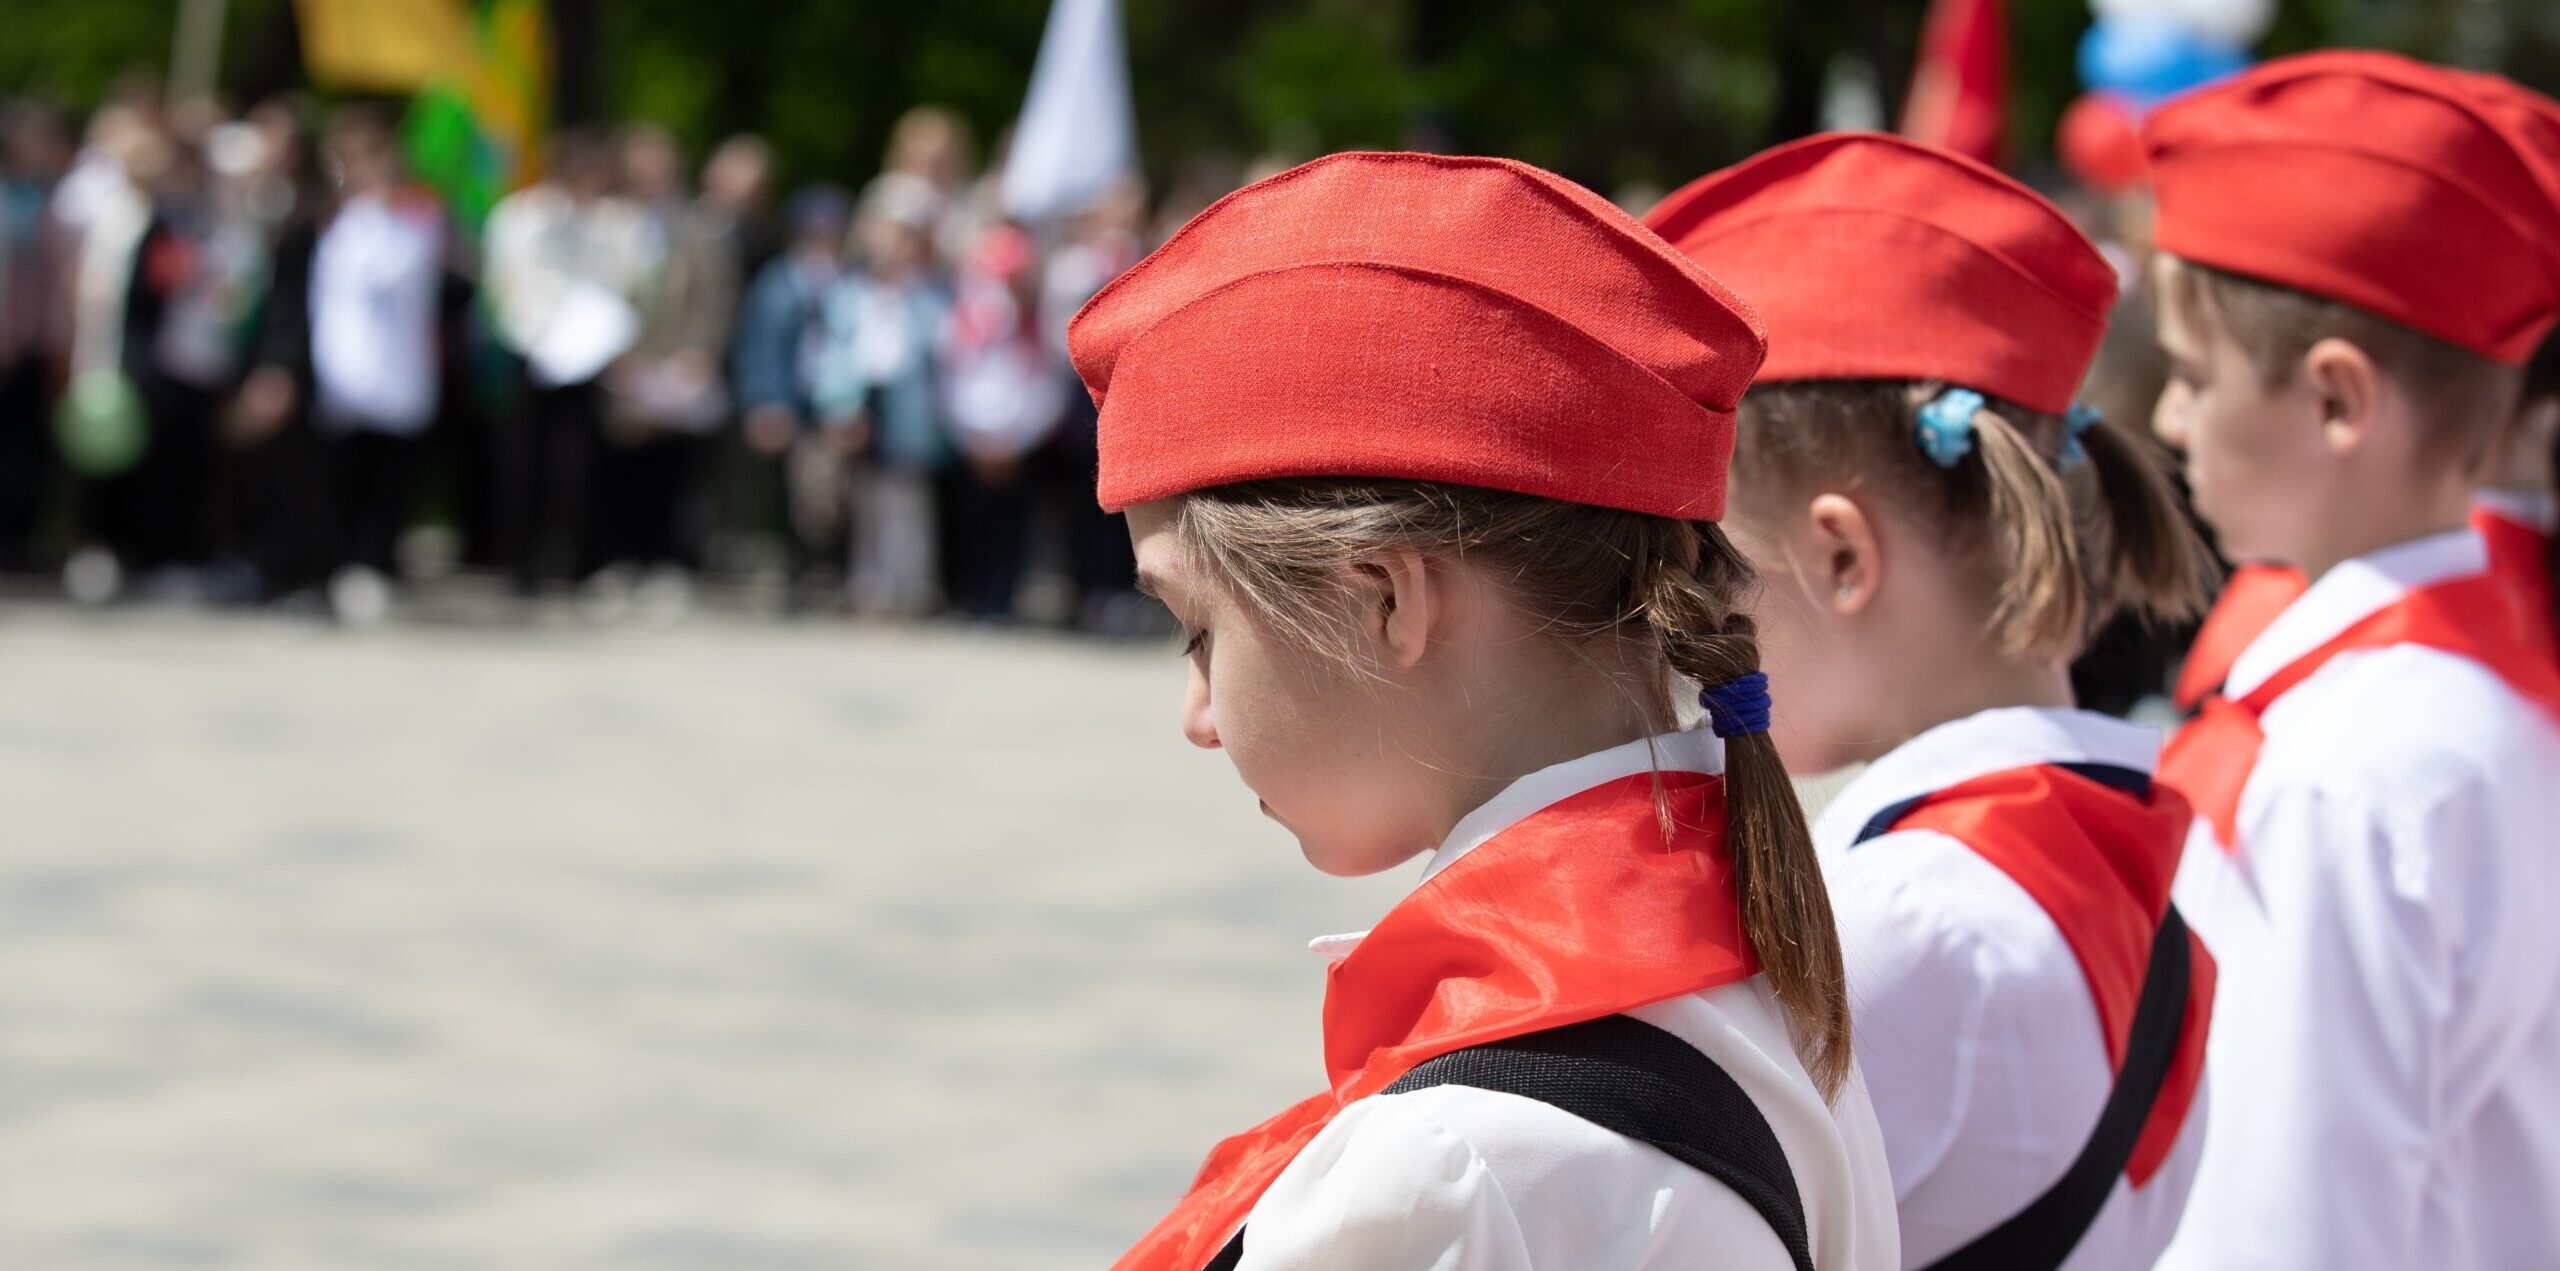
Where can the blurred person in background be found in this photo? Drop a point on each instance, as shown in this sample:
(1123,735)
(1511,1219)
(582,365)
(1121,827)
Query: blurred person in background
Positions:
(653,176)
(100,176)
(737,196)
(669,393)
(881,442)
(736,209)
(102,205)
(262,171)
(933,145)
(191,290)
(568,260)
(775,355)
(377,276)
(1007,386)
(1101,244)
(282,186)
(268,426)
(35,317)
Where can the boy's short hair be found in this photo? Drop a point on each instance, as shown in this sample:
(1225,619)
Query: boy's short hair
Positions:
(2542,374)
(2461,395)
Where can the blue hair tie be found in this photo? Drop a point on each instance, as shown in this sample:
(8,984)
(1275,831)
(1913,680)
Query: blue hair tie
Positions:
(2076,424)
(1945,430)
(1739,705)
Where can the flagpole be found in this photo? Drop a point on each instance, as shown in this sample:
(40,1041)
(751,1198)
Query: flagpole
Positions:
(195,58)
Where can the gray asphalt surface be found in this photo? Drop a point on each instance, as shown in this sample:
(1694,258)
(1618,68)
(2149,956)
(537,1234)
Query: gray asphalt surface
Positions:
(740,945)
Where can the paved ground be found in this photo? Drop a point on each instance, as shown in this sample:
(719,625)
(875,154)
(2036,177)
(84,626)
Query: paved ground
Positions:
(736,946)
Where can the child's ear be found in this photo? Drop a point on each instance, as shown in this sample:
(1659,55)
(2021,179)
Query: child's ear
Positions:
(1843,552)
(2347,387)
(1399,594)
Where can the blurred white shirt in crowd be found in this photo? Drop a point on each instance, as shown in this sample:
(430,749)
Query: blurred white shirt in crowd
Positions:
(374,279)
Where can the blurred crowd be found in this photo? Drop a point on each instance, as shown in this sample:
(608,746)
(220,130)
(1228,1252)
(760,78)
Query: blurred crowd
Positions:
(248,358)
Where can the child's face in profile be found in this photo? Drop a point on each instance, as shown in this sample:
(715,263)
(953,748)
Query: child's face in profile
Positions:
(2251,450)
(1324,749)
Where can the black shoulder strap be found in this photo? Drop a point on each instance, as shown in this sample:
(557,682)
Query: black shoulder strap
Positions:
(2132,781)
(2050,1227)
(2046,1231)
(1637,1081)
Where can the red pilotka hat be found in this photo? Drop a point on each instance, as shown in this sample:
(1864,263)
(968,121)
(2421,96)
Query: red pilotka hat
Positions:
(1473,321)
(1872,257)
(2375,181)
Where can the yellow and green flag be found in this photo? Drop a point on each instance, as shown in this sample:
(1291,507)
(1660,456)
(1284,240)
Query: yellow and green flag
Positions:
(381,46)
(475,132)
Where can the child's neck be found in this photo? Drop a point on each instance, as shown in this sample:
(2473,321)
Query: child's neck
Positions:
(1943,690)
(2379,523)
(1569,707)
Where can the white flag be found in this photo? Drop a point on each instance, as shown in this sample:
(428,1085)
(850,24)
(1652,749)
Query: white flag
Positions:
(1077,134)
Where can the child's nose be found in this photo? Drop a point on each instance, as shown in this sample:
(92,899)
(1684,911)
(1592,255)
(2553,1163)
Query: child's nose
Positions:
(2169,418)
(1198,722)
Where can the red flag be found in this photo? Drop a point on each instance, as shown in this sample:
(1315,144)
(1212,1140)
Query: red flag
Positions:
(1960,89)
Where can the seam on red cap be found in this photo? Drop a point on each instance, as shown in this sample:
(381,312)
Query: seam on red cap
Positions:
(1983,173)
(1807,212)
(1595,211)
(2532,237)
(1466,283)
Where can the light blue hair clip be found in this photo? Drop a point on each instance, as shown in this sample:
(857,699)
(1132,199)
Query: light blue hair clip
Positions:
(1945,431)
(2076,424)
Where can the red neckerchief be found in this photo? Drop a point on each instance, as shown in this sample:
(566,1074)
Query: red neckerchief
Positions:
(2250,600)
(2255,594)
(2099,862)
(2518,552)
(1580,911)
(2478,616)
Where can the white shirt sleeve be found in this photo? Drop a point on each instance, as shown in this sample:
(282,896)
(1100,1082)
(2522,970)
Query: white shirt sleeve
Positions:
(1386,1187)
(2330,1038)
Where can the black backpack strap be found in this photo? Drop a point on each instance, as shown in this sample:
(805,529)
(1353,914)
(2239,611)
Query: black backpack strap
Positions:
(2046,1231)
(1637,1081)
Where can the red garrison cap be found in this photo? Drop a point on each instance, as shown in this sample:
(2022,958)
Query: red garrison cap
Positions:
(1473,321)
(2390,185)
(2531,118)
(1873,257)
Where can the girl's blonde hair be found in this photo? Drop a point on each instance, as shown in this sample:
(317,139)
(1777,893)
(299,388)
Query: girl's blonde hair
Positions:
(1673,590)
(2061,547)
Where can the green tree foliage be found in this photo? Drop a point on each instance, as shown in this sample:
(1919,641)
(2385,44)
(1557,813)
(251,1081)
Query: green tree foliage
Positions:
(1609,91)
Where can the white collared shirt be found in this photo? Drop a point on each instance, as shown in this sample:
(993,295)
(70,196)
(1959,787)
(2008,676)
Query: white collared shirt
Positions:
(2537,508)
(1973,1020)
(2385,1056)
(1452,1178)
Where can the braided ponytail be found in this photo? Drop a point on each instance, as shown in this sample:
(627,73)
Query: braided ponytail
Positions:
(1706,633)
